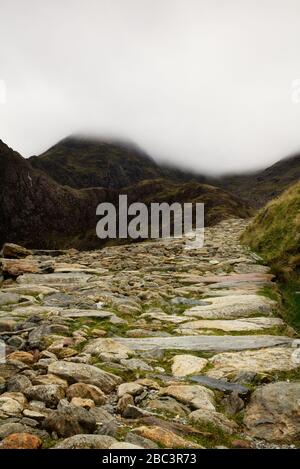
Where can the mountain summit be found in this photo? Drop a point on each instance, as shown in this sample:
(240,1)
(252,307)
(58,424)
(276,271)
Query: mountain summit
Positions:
(260,187)
(82,162)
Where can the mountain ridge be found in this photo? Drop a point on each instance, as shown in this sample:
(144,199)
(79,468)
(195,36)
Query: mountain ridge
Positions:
(39,212)
(82,162)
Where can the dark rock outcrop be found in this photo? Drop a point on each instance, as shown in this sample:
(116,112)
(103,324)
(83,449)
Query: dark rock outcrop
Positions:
(37,212)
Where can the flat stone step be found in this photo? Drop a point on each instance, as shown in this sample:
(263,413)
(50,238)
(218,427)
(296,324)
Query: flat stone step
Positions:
(219,384)
(33,290)
(234,325)
(171,318)
(35,310)
(243,285)
(206,343)
(54,279)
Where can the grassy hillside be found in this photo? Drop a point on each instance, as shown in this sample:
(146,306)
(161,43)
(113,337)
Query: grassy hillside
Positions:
(275,231)
(275,235)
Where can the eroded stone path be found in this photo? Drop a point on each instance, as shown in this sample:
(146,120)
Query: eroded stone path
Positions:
(147,345)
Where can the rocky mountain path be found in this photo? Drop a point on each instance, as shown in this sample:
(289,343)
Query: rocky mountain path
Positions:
(146,345)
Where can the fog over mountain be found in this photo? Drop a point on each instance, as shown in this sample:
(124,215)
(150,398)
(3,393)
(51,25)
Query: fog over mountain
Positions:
(208,85)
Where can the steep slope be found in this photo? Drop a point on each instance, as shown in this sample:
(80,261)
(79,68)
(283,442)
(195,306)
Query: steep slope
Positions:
(153,299)
(82,162)
(275,231)
(260,187)
(36,211)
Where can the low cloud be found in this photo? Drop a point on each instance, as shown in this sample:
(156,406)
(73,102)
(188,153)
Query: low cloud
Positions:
(204,84)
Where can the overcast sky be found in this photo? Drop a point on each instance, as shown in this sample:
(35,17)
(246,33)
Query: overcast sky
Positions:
(209,84)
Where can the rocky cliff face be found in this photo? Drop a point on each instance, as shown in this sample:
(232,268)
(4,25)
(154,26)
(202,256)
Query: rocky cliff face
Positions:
(275,231)
(35,210)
